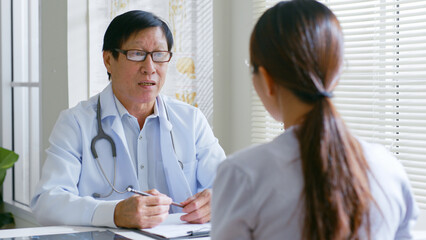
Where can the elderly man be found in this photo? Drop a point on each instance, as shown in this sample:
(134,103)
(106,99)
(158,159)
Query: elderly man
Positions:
(129,137)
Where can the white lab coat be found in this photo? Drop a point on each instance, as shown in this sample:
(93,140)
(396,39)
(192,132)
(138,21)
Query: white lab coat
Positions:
(257,193)
(71,175)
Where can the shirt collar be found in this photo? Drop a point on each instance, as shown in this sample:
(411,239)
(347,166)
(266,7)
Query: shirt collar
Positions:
(122,111)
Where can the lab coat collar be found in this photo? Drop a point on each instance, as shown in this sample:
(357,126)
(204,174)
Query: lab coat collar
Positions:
(108,107)
(122,111)
(162,112)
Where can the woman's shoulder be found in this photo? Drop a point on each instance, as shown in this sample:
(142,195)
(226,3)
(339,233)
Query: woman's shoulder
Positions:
(380,158)
(391,189)
(277,154)
(385,168)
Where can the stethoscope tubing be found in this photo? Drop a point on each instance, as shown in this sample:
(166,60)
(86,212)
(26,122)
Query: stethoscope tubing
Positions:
(102,135)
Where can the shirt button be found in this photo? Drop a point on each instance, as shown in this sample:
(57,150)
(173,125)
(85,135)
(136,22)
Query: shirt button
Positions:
(142,166)
(140,137)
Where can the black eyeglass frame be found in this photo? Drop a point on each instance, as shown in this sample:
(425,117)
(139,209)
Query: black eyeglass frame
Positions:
(124,52)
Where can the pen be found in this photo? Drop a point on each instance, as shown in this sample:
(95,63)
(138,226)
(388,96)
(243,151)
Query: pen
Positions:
(199,233)
(129,189)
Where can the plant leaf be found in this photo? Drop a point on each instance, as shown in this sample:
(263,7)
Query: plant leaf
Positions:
(5,219)
(7,158)
(2,176)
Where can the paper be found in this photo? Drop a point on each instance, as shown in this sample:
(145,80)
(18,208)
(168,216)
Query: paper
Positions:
(174,227)
(92,235)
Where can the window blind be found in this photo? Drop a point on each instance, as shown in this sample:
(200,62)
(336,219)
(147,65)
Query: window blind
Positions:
(264,127)
(382,91)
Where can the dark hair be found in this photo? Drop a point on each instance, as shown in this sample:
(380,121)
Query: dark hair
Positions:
(125,25)
(300,44)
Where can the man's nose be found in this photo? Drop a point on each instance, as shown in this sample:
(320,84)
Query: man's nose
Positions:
(148,66)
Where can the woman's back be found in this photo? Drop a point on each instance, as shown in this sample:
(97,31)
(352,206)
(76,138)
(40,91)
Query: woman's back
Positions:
(258,193)
(316,181)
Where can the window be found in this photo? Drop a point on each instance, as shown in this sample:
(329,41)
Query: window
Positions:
(20,97)
(382,92)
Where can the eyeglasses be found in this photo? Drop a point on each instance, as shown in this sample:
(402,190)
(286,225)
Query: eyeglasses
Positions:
(251,67)
(139,55)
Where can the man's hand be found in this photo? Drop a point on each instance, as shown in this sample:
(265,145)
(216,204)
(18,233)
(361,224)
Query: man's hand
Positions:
(142,212)
(197,207)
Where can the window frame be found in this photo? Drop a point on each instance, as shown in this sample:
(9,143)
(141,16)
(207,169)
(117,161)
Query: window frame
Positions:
(20,90)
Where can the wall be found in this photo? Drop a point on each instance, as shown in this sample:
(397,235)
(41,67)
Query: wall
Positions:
(232,22)
(78,51)
(64,59)
(53,65)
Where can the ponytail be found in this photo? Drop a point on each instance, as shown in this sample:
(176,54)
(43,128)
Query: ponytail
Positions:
(336,191)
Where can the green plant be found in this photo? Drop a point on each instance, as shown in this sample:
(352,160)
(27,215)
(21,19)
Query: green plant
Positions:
(7,159)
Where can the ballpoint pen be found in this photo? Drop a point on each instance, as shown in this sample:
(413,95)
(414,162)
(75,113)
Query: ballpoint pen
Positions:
(199,233)
(129,189)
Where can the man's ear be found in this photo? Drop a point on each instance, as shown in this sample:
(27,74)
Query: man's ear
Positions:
(107,60)
(267,81)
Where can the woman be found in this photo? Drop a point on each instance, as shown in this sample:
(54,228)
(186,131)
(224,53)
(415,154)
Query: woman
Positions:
(316,180)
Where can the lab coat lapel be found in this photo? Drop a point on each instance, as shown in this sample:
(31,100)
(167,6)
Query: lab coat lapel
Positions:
(109,109)
(178,185)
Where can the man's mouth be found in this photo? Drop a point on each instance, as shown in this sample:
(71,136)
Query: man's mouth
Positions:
(146,84)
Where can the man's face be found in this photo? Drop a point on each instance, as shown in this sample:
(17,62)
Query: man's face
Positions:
(138,82)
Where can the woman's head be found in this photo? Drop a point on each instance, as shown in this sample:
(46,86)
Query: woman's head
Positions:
(300,45)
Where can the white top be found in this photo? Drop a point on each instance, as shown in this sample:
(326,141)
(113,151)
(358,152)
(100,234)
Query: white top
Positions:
(256,194)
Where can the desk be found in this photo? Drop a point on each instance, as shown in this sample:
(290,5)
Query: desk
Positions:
(23,232)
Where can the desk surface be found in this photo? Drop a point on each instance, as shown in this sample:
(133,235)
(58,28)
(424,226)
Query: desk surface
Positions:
(23,232)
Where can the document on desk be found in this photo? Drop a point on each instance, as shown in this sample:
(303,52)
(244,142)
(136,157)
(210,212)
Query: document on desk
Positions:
(91,235)
(174,228)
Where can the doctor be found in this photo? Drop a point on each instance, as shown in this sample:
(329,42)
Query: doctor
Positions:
(162,146)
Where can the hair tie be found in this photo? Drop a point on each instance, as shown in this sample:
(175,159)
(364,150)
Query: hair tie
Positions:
(325,94)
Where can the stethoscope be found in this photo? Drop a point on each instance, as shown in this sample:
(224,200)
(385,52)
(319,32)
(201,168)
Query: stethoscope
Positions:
(103,135)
